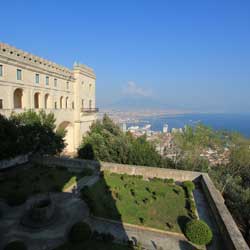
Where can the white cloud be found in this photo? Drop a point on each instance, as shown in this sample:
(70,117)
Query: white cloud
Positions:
(133,90)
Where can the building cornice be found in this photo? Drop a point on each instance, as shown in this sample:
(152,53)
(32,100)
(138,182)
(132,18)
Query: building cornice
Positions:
(35,68)
(32,60)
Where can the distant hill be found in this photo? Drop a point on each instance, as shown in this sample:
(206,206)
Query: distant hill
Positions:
(132,102)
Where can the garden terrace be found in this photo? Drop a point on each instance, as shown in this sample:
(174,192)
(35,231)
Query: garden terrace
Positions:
(209,202)
(155,203)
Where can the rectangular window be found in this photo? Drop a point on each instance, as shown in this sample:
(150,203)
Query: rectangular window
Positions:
(47,80)
(19,74)
(67,85)
(1,70)
(55,105)
(1,103)
(55,82)
(37,78)
(82,103)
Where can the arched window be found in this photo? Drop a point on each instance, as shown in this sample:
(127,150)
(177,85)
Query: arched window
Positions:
(37,100)
(18,98)
(46,101)
(66,102)
(61,102)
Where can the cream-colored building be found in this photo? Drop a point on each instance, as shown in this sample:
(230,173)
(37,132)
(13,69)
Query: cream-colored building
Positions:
(31,82)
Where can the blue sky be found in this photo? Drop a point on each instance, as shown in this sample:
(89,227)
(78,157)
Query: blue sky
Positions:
(182,54)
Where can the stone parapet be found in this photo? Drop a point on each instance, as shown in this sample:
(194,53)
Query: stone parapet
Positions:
(231,234)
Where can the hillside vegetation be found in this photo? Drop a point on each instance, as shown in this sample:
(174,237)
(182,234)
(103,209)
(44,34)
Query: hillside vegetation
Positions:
(106,142)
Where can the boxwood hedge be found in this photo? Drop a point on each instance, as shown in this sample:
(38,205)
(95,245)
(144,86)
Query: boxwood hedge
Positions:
(198,232)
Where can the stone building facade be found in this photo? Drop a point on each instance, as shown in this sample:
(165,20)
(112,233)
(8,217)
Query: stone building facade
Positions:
(31,82)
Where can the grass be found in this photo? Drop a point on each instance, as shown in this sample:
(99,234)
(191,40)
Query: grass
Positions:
(93,245)
(131,199)
(37,179)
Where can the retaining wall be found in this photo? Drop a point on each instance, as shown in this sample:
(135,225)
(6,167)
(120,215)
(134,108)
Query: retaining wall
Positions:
(72,164)
(146,172)
(20,159)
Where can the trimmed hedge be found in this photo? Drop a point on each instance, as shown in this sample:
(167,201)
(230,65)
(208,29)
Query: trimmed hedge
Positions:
(79,232)
(15,245)
(198,232)
(189,186)
(192,209)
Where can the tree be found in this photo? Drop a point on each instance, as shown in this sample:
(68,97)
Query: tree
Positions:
(110,144)
(29,132)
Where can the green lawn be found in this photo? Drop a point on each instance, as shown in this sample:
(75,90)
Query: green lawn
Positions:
(37,179)
(93,245)
(133,200)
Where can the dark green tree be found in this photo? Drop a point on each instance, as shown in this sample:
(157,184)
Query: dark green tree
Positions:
(29,132)
(110,144)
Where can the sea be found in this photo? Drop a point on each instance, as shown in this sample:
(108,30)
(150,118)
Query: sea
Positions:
(230,122)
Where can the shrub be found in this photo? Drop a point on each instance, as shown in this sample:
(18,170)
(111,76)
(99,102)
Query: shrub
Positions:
(141,220)
(79,232)
(198,232)
(132,192)
(192,209)
(189,185)
(15,245)
(155,179)
(16,198)
(169,181)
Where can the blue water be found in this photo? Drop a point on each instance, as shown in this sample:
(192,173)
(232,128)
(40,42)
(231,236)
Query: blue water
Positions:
(232,122)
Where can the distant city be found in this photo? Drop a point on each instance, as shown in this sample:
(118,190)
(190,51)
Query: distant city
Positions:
(155,120)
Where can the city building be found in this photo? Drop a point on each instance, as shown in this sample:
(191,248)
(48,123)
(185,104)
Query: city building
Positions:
(123,127)
(165,128)
(31,82)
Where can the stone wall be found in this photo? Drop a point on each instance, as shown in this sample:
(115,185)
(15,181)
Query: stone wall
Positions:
(73,164)
(20,159)
(150,172)
(231,234)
